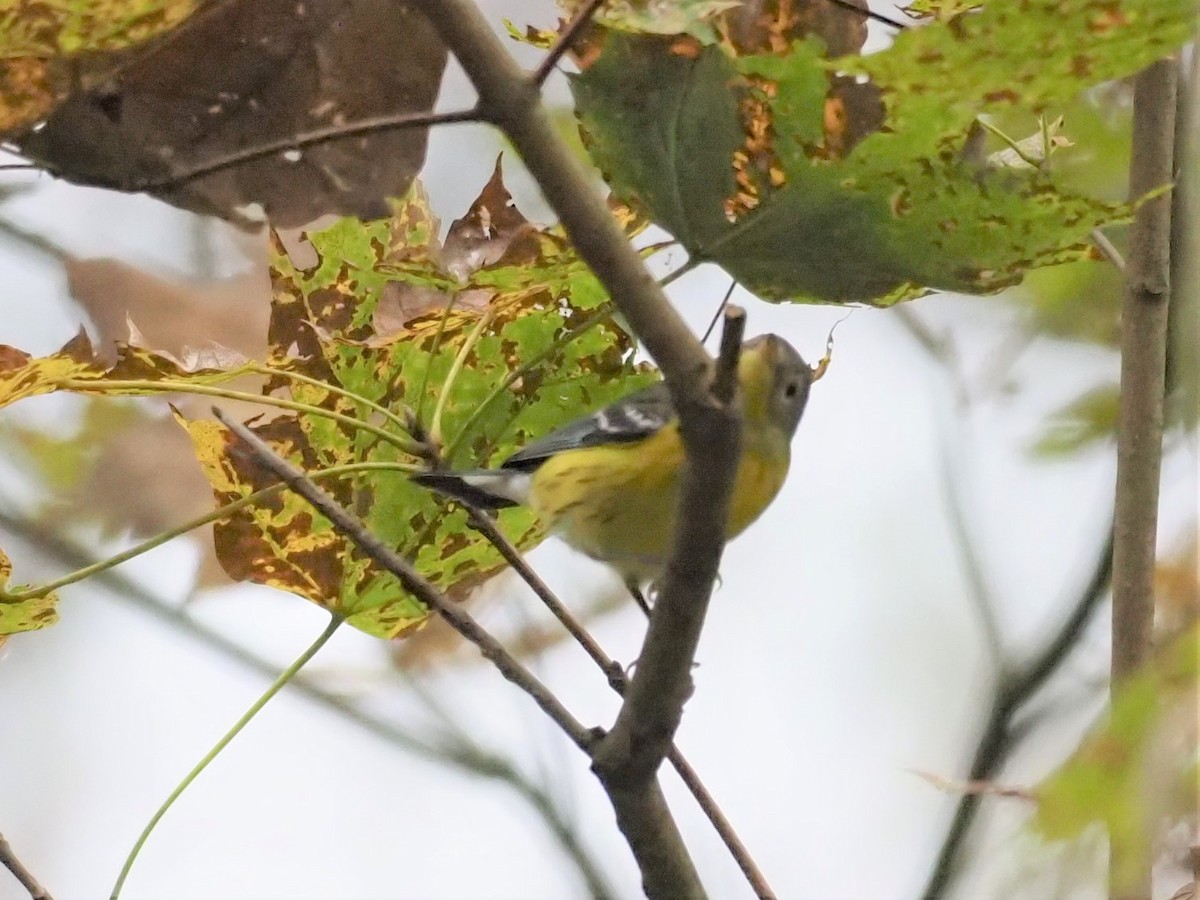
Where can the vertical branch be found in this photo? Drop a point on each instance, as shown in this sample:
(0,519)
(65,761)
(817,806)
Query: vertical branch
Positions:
(1140,417)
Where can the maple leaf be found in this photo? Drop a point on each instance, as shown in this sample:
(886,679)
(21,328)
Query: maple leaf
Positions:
(755,162)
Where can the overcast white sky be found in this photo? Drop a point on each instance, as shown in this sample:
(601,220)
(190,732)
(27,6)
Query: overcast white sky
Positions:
(842,650)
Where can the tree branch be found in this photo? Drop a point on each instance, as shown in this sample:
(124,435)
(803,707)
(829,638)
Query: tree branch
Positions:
(619,683)
(509,98)
(627,759)
(450,750)
(1140,414)
(563,45)
(357,532)
(999,738)
(9,860)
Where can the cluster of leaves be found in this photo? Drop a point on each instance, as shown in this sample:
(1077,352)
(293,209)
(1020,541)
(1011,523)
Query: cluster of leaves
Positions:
(791,170)
(390,350)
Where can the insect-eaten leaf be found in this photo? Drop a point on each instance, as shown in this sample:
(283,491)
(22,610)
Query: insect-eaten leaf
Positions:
(1136,772)
(17,615)
(244,73)
(760,158)
(474,346)
(137,371)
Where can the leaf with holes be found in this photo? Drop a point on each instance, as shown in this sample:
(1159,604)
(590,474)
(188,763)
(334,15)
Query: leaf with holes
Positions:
(488,341)
(763,163)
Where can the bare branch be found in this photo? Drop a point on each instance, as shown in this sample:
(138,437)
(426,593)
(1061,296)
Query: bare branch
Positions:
(710,430)
(563,45)
(1105,246)
(301,141)
(1000,737)
(1140,415)
(9,860)
(617,680)
(357,532)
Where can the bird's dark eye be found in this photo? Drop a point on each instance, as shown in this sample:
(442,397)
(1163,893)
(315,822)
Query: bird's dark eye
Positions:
(791,389)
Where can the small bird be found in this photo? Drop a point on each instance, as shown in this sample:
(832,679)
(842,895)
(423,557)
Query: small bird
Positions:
(608,484)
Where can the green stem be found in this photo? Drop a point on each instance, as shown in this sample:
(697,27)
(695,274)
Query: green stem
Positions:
(287,675)
(596,318)
(601,315)
(215,515)
(419,412)
(89,386)
(340,391)
(435,425)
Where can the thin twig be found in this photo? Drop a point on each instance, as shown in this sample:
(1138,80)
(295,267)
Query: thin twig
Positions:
(1012,693)
(453,750)
(968,552)
(9,860)
(617,680)
(867,12)
(294,143)
(1140,414)
(712,323)
(563,45)
(360,535)
(1105,246)
(283,679)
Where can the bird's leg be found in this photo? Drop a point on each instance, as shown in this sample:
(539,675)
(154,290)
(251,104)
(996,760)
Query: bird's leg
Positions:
(635,591)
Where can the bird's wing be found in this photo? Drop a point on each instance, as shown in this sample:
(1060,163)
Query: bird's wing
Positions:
(632,418)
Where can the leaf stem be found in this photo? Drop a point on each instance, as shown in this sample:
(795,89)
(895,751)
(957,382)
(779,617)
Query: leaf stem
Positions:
(89,386)
(585,325)
(284,677)
(435,423)
(333,389)
(213,516)
(599,316)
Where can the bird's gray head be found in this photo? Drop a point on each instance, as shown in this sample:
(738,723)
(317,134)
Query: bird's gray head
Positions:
(775,381)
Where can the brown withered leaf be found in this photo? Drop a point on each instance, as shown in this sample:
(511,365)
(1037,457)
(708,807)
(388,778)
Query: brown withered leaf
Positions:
(172,316)
(242,73)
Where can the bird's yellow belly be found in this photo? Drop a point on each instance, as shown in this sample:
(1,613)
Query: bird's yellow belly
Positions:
(617,503)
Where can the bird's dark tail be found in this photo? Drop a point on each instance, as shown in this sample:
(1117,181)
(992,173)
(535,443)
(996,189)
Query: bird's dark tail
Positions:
(483,489)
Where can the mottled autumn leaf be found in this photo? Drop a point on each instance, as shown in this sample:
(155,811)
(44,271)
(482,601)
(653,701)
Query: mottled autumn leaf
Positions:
(244,73)
(498,305)
(16,614)
(754,161)
(42,40)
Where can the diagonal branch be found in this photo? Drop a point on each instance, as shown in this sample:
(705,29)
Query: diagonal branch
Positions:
(9,860)
(563,45)
(619,683)
(628,760)
(357,532)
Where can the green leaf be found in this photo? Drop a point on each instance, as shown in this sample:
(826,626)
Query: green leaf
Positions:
(797,193)
(1084,421)
(18,615)
(383,316)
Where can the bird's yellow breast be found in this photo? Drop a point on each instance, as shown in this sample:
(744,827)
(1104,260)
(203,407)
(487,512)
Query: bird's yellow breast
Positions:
(616,503)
